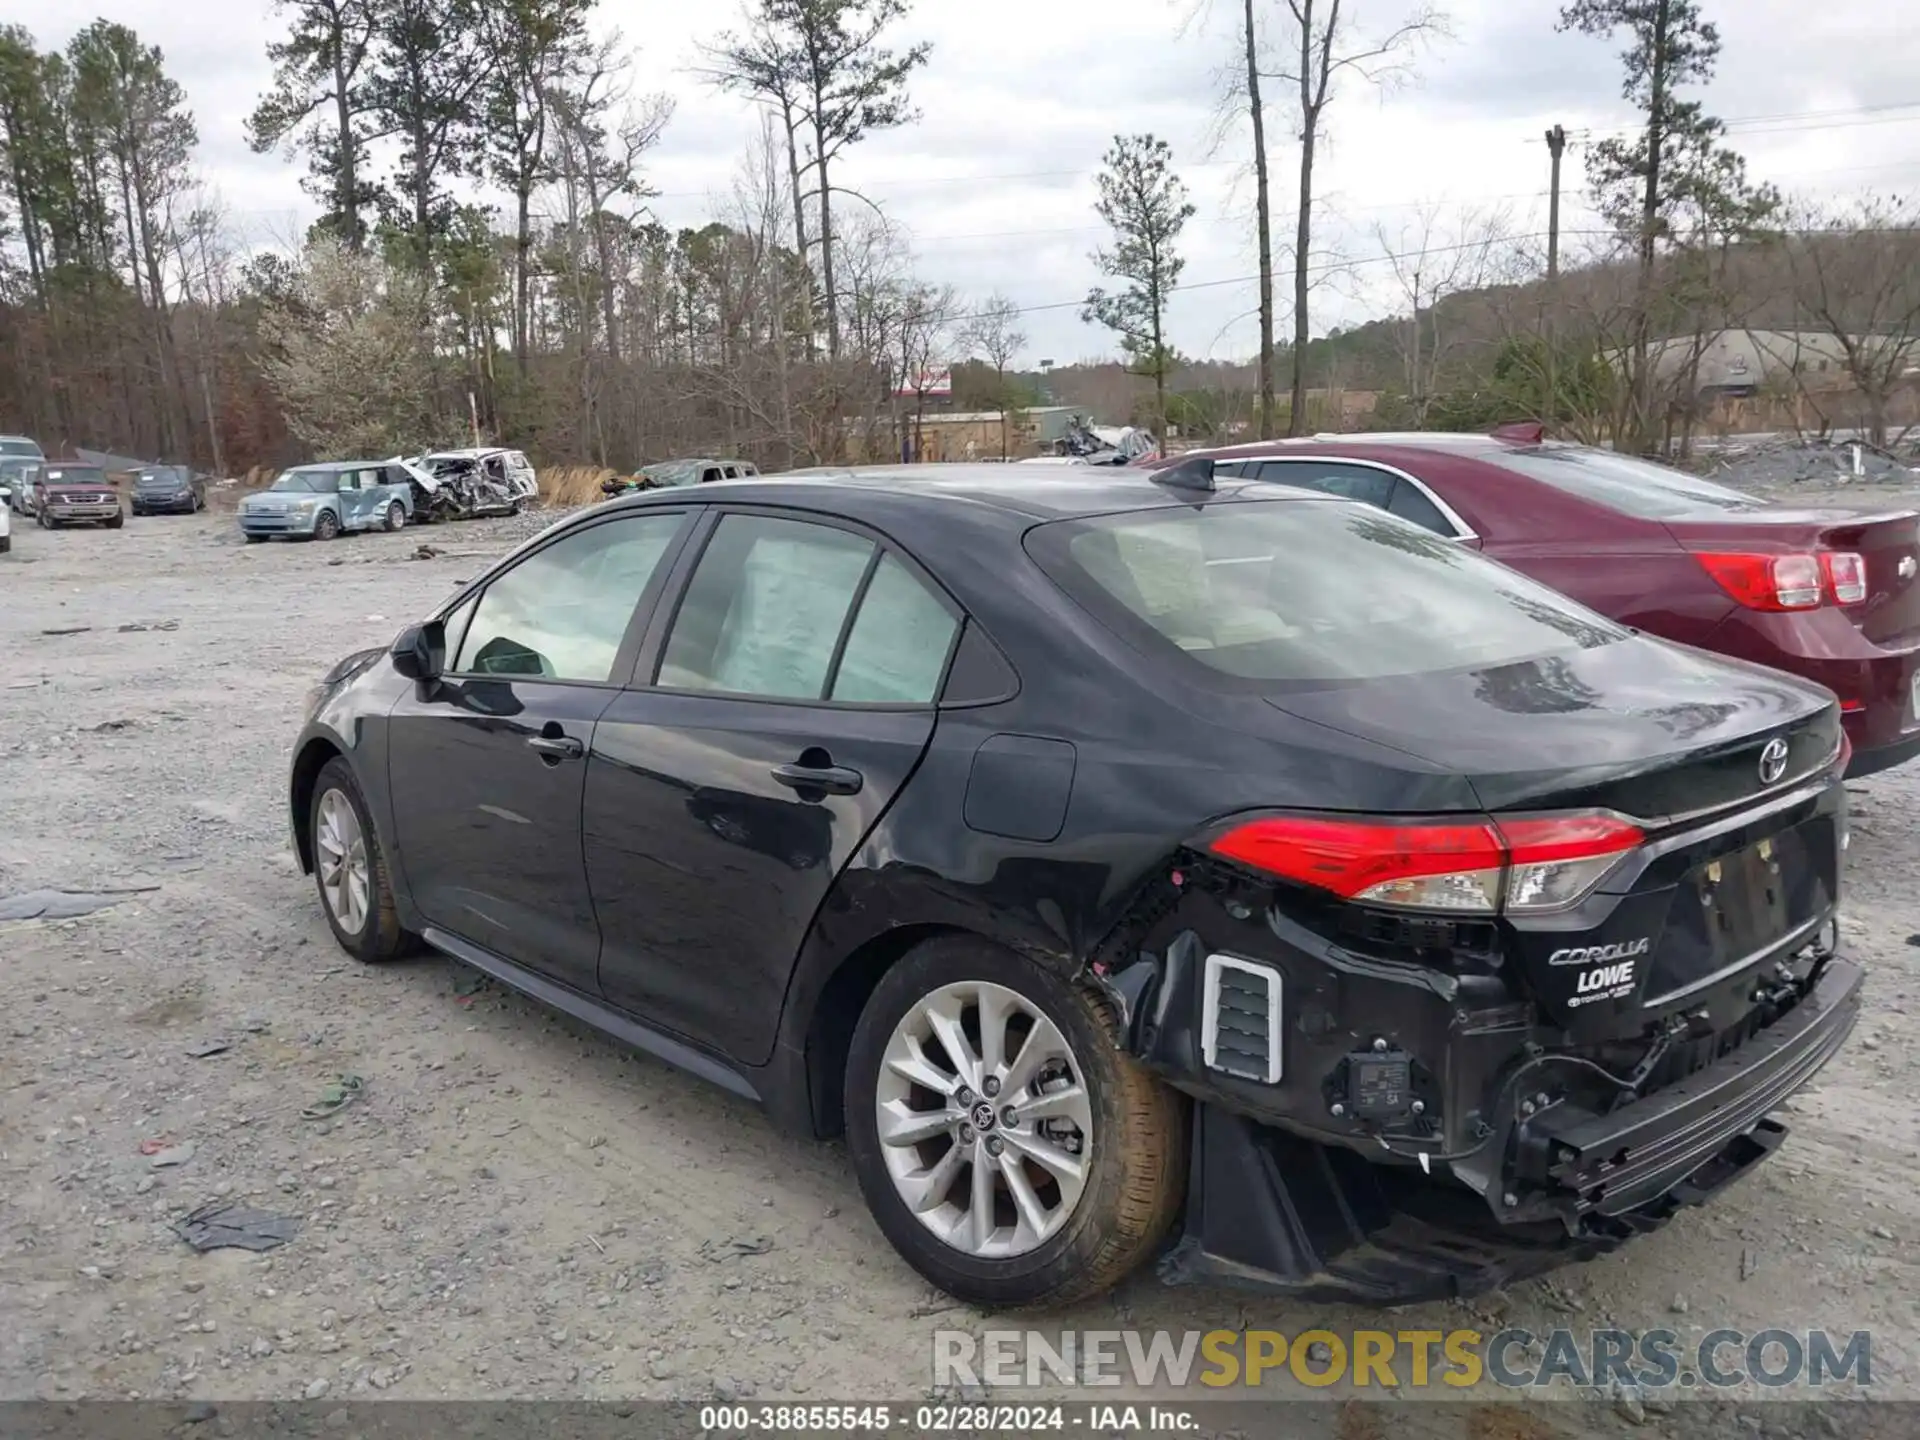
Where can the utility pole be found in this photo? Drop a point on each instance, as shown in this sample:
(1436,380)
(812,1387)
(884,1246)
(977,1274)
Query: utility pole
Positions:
(1556,144)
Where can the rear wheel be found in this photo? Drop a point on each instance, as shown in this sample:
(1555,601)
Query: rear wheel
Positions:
(396,515)
(1008,1149)
(350,869)
(326,525)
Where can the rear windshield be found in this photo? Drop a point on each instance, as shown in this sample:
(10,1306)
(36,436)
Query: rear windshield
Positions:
(1309,591)
(1620,482)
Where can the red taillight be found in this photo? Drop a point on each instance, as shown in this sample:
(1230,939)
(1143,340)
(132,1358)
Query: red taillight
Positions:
(1788,582)
(1536,863)
(1846,577)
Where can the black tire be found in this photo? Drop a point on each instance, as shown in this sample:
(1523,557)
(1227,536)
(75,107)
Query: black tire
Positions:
(253,539)
(6,543)
(117,522)
(396,516)
(46,523)
(326,525)
(1135,1184)
(380,936)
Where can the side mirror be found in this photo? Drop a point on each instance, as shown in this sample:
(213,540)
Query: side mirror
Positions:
(420,651)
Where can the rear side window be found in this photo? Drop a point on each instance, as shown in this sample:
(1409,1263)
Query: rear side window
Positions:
(1349,482)
(896,651)
(1410,504)
(1283,592)
(1620,482)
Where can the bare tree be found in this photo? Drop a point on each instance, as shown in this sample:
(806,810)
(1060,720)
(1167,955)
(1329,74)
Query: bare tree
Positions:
(993,331)
(1853,272)
(1439,253)
(1325,46)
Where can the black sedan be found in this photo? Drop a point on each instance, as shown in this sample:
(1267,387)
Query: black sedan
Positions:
(168,490)
(1100,852)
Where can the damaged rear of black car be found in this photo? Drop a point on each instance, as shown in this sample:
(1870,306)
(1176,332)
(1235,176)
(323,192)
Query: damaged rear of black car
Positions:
(1128,867)
(1542,938)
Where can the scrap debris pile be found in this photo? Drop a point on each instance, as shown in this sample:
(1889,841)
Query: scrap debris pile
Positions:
(1815,460)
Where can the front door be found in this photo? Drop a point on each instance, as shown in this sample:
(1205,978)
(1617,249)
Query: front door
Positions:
(487,764)
(795,695)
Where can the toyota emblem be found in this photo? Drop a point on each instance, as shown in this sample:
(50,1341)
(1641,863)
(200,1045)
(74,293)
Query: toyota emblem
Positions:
(1773,761)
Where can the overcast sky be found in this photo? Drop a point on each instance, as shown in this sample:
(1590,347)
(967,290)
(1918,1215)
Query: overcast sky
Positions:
(995,181)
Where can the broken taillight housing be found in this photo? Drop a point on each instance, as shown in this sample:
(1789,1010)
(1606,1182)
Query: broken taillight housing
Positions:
(1788,582)
(1522,865)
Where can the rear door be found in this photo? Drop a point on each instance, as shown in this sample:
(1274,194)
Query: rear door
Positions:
(781,706)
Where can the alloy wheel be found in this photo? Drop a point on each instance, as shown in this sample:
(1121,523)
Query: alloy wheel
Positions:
(341,853)
(984,1119)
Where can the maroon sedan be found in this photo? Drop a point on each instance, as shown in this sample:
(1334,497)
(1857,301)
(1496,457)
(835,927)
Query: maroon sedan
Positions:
(1829,594)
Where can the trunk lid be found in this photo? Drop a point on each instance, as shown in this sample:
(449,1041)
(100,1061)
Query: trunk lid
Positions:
(1889,542)
(1706,755)
(1644,726)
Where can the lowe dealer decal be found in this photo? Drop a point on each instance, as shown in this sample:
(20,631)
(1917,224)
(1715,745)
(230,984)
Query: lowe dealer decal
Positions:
(1610,975)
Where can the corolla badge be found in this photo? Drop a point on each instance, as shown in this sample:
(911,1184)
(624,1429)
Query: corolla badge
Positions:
(1601,954)
(1773,761)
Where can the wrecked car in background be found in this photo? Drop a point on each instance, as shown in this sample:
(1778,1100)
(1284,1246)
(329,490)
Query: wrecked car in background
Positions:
(670,474)
(76,495)
(466,484)
(318,502)
(1092,444)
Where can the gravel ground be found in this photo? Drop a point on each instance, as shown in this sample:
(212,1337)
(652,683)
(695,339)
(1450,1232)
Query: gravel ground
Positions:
(514,1207)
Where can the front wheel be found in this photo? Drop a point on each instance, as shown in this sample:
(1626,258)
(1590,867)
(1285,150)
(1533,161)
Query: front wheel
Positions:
(396,515)
(356,889)
(326,525)
(1006,1147)
(46,521)
(117,522)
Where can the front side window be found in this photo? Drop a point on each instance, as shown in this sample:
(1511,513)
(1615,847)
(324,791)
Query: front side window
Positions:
(562,612)
(1621,482)
(1283,592)
(765,608)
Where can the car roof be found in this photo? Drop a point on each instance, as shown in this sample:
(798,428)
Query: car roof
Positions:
(1036,493)
(337,465)
(1386,443)
(468,454)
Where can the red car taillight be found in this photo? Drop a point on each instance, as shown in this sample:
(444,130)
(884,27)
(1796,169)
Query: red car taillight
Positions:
(1788,582)
(1525,865)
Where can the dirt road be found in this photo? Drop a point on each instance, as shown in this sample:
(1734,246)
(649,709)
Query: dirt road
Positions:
(513,1206)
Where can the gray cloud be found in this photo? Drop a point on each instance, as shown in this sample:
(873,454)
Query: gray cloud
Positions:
(1024,97)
